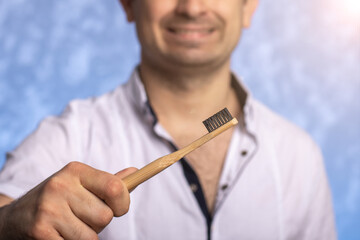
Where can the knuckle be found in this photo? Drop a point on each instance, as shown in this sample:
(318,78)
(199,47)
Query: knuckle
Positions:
(74,167)
(40,230)
(114,188)
(55,184)
(45,211)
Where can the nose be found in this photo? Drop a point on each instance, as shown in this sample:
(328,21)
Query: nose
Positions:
(191,8)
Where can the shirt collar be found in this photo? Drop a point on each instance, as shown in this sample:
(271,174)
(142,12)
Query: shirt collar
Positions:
(139,98)
(247,103)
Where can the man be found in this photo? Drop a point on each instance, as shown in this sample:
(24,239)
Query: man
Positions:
(262,180)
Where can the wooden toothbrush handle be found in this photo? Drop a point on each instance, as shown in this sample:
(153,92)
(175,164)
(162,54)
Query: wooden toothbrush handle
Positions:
(153,168)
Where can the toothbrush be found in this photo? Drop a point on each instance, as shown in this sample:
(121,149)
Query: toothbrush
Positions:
(215,125)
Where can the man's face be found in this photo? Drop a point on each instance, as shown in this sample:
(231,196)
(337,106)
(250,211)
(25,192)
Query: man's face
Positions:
(188,32)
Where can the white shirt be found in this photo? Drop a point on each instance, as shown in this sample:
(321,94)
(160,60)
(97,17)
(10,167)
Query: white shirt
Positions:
(273,184)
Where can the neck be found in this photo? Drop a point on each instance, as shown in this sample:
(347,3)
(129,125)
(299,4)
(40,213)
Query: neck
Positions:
(189,96)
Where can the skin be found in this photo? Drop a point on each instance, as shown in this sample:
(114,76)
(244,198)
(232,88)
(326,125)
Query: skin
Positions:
(185,59)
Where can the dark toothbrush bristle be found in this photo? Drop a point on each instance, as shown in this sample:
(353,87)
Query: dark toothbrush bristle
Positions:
(217,120)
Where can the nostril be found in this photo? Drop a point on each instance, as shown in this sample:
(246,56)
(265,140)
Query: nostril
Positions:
(191,8)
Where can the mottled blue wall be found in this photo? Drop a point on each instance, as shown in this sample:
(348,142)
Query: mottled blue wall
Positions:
(301,58)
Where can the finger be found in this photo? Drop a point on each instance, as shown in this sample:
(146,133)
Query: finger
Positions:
(50,212)
(90,209)
(106,186)
(45,232)
(126,172)
(72,228)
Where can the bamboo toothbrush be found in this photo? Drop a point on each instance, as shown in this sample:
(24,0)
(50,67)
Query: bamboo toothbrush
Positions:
(215,124)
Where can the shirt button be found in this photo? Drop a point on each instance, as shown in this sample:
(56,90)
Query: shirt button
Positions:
(193,187)
(243,153)
(224,187)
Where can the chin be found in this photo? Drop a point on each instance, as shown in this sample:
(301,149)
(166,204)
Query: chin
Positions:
(208,63)
(191,59)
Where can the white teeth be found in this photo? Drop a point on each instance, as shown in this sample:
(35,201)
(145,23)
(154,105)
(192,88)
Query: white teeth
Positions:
(189,31)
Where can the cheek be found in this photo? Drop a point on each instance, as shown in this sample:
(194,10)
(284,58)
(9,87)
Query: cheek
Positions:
(152,11)
(157,9)
(230,11)
(148,18)
(232,17)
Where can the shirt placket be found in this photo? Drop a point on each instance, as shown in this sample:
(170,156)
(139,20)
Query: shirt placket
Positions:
(242,148)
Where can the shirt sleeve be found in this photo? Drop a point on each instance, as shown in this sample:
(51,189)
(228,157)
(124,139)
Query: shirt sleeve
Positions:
(55,143)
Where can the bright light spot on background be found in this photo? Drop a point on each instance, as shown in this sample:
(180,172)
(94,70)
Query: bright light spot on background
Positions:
(351,8)
(347,11)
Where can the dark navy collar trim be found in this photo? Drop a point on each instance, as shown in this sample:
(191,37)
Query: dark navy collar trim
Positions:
(152,112)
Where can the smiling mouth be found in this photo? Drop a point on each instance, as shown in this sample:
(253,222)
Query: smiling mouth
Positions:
(190,33)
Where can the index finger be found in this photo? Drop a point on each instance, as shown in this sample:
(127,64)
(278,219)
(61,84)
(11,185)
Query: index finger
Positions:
(105,186)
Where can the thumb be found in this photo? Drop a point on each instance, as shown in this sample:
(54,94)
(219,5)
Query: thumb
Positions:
(125,172)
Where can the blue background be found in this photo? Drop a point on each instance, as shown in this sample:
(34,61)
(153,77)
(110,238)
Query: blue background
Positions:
(300,57)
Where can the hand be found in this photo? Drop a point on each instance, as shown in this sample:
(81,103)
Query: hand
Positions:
(77,202)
